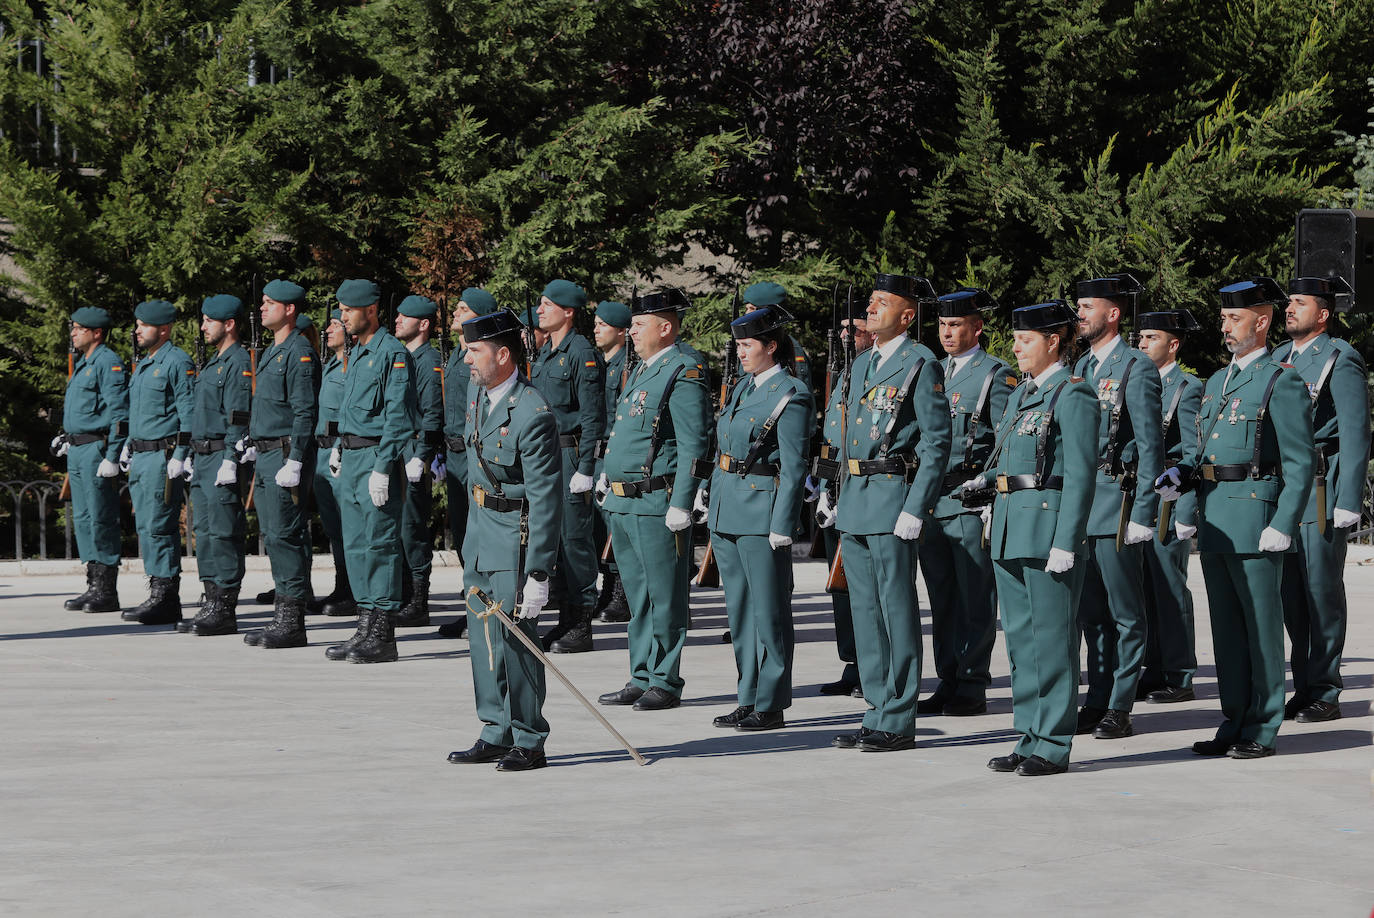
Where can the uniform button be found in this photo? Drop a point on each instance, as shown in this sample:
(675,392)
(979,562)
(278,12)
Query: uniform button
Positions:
(1213,458)
(1253,494)
(1044,505)
(1216,436)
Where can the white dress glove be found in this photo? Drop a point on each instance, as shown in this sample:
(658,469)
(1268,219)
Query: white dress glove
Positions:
(1059,561)
(1137,533)
(107,469)
(677,519)
(603,487)
(776,540)
(580,484)
(289,475)
(1169,486)
(701,506)
(439,467)
(124,456)
(534,596)
(1184,531)
(335,461)
(908,527)
(985,514)
(246,453)
(228,474)
(977,483)
(1344,519)
(59,446)
(378,488)
(825,512)
(175,468)
(415,467)
(1273,540)
(813,489)
(188,468)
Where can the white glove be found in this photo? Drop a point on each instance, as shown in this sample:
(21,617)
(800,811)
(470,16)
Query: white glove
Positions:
(378,488)
(107,469)
(1344,519)
(439,467)
(813,489)
(59,446)
(603,487)
(289,475)
(188,468)
(1184,531)
(415,467)
(701,506)
(124,455)
(985,514)
(535,595)
(1273,540)
(228,474)
(976,483)
(335,461)
(825,512)
(1169,486)
(1136,533)
(246,453)
(778,541)
(1059,561)
(580,484)
(677,519)
(908,527)
(175,467)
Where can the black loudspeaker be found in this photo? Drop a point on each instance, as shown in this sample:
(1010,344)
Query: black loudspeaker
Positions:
(1333,243)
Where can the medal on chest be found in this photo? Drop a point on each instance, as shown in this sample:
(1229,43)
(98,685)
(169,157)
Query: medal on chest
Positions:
(1106,389)
(1235,406)
(1029,424)
(954,403)
(637,402)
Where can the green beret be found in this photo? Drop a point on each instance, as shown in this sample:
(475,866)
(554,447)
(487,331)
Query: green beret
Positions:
(765,293)
(418,307)
(91,317)
(566,294)
(614,314)
(284,291)
(479,301)
(155,312)
(221,307)
(336,315)
(303,321)
(356,294)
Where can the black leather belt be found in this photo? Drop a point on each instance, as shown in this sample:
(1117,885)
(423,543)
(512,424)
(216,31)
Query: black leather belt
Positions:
(267,444)
(352,441)
(485,499)
(83,439)
(641,487)
(892,465)
(567,441)
(729,463)
(1008,483)
(455,444)
(151,446)
(206,447)
(1236,472)
(325,441)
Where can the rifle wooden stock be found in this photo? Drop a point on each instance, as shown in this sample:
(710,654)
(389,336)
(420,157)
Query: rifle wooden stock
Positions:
(708,575)
(66,493)
(836,582)
(607,551)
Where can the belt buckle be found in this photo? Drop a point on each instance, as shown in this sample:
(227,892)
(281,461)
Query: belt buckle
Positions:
(479,494)
(618,489)
(1209,473)
(724,462)
(854,467)
(1002,485)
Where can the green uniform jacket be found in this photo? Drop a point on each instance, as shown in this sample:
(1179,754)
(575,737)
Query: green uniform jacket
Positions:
(1234,513)
(331,394)
(1139,431)
(97,400)
(758,504)
(429,399)
(693,355)
(1027,524)
(285,397)
(457,375)
(682,428)
(615,367)
(518,441)
(161,400)
(572,378)
(968,455)
(801,364)
(1340,419)
(223,386)
(379,397)
(1180,433)
(870,504)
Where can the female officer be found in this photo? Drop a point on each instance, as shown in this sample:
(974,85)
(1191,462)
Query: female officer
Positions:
(755,495)
(1044,465)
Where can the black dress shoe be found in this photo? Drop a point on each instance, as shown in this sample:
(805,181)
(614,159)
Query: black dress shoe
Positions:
(850,740)
(1143,688)
(882,741)
(734,717)
(1319,711)
(481,752)
(1035,766)
(519,759)
(657,699)
(964,707)
(454,629)
(1249,749)
(1115,724)
(1006,762)
(857,691)
(1212,747)
(1088,719)
(1171,694)
(1294,705)
(761,720)
(266,598)
(838,687)
(935,704)
(628,695)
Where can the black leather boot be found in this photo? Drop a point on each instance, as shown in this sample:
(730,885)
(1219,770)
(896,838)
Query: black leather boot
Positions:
(165,608)
(267,598)
(224,619)
(415,614)
(77,603)
(287,628)
(105,598)
(567,617)
(379,646)
(340,651)
(618,609)
(207,608)
(340,602)
(578,637)
(607,591)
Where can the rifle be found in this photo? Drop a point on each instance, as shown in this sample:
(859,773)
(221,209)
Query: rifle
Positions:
(708,575)
(66,493)
(834,348)
(200,350)
(254,347)
(836,581)
(531,340)
(607,551)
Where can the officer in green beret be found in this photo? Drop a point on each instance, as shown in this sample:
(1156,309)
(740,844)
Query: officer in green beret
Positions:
(1314,606)
(378,418)
(282,441)
(95,420)
(415,321)
(474,302)
(515,468)
(647,489)
(1130,456)
(957,568)
(1166,677)
(570,374)
(1041,470)
(223,398)
(161,404)
(769,293)
(611,333)
(340,600)
(895,449)
(1253,482)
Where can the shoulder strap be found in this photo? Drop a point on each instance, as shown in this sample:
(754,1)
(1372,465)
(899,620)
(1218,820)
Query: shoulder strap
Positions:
(977,415)
(756,448)
(897,405)
(1173,408)
(1042,438)
(1259,422)
(655,440)
(1325,375)
(1114,447)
